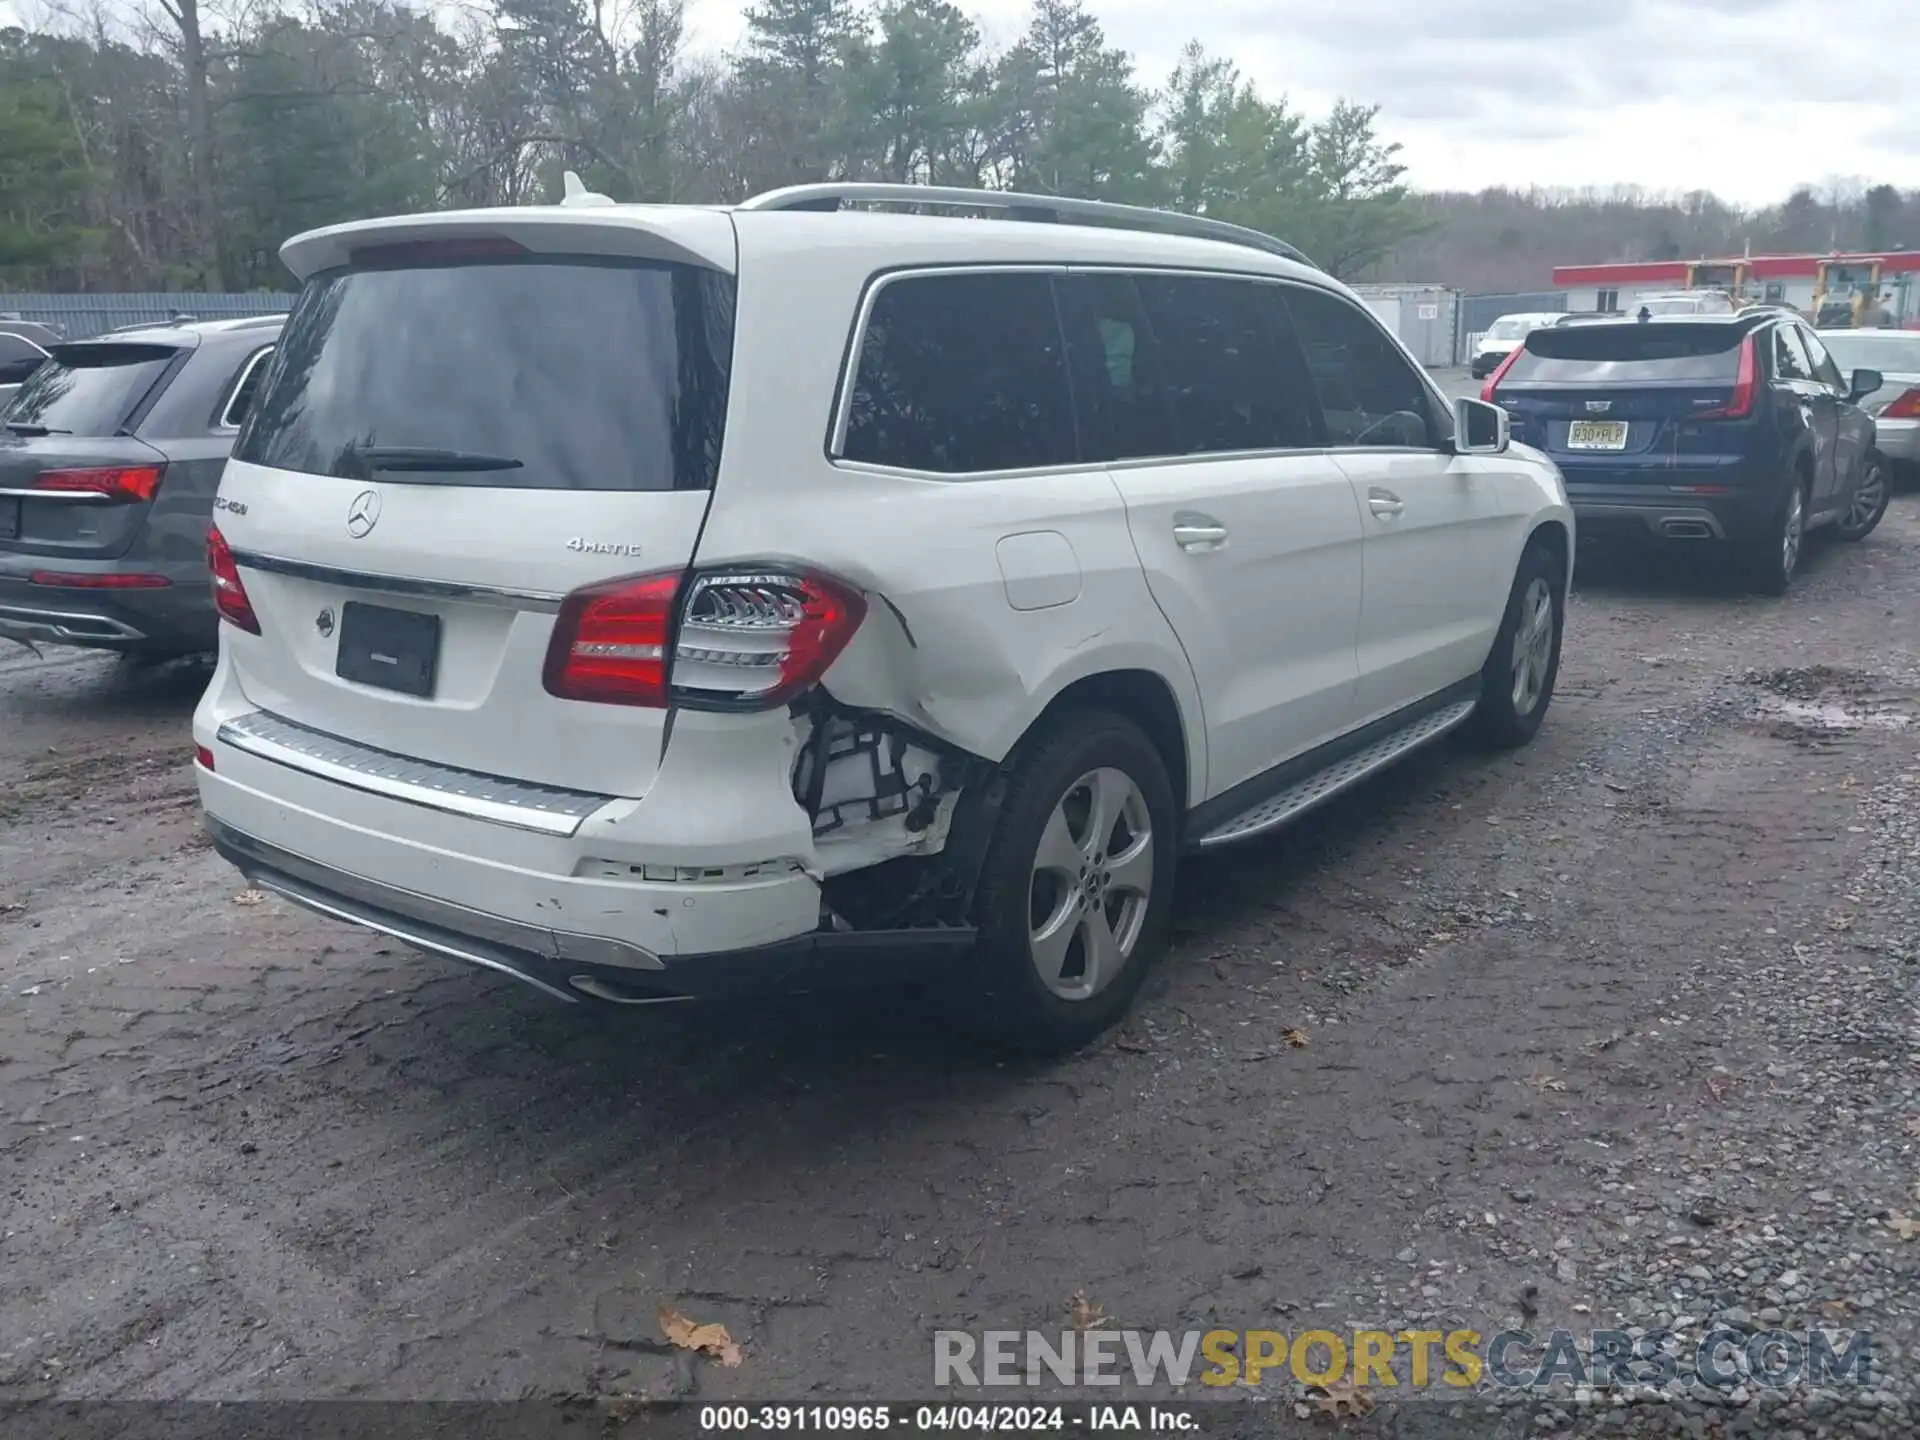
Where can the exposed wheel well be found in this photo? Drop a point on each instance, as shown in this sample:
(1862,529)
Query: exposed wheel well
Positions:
(1143,698)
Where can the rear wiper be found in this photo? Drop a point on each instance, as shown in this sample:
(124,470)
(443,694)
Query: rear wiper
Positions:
(27,427)
(426,457)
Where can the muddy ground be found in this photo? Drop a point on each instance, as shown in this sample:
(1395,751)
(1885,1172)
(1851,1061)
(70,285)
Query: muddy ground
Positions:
(1620,1029)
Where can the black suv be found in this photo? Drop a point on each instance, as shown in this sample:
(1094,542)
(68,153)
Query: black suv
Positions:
(1703,428)
(110,454)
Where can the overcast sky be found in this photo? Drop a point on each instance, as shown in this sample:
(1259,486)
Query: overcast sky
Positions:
(1743,97)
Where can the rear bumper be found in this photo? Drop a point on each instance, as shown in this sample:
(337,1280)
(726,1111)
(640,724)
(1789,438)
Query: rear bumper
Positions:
(1660,512)
(177,616)
(1898,440)
(596,968)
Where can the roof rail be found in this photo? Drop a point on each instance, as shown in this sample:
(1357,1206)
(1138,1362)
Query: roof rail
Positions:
(1047,208)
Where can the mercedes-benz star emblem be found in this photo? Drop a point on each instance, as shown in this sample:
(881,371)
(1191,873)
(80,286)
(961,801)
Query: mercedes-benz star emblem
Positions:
(363,514)
(323,622)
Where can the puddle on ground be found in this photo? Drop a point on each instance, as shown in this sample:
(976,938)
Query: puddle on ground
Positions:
(1829,717)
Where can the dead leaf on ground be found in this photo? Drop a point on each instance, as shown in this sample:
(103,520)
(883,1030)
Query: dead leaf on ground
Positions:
(249,897)
(1296,1038)
(706,1339)
(1546,1082)
(1913,1126)
(1341,1400)
(1084,1313)
(1905,1226)
(1604,1042)
(1720,1086)
(1133,1044)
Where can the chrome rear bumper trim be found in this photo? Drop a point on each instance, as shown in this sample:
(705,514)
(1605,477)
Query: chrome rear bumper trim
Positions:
(58,627)
(438,925)
(522,804)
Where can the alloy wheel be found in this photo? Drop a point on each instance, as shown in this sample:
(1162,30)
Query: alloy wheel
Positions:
(1868,498)
(1533,646)
(1092,884)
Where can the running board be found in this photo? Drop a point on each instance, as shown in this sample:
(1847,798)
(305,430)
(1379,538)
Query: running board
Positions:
(1350,770)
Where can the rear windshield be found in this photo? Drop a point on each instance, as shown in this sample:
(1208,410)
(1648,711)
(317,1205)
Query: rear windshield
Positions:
(1633,354)
(88,389)
(546,374)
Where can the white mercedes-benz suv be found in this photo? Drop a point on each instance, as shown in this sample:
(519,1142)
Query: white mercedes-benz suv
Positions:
(652,602)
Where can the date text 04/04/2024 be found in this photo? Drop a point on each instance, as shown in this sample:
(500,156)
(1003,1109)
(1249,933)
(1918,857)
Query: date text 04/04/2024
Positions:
(949,1419)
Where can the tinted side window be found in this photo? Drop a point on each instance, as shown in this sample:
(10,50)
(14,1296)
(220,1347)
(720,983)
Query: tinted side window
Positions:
(19,358)
(1368,390)
(1790,361)
(1116,370)
(247,384)
(1824,368)
(1226,377)
(960,374)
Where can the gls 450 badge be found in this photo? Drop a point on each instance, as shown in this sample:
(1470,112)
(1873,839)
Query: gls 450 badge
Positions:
(602,547)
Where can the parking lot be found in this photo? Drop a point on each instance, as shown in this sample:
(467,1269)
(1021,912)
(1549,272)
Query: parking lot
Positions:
(1618,1029)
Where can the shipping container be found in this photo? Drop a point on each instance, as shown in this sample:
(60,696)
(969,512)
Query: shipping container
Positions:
(1425,317)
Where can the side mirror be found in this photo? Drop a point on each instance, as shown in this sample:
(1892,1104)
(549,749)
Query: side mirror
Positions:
(1480,428)
(1865,382)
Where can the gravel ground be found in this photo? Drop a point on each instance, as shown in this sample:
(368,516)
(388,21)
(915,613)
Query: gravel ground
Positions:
(1616,1032)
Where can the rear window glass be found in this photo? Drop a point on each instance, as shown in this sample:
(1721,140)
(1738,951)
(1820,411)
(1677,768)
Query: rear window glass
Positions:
(1628,354)
(549,374)
(962,374)
(89,389)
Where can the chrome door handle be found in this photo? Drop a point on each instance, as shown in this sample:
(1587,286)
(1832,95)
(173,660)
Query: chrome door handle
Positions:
(1198,532)
(1384,503)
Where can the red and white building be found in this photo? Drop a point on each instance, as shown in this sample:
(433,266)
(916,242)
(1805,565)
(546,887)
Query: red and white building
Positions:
(1787,279)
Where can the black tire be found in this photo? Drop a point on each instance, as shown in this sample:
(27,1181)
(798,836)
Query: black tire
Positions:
(1869,504)
(1767,560)
(1508,714)
(1011,1004)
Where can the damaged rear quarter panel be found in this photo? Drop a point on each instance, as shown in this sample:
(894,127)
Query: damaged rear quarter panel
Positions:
(942,648)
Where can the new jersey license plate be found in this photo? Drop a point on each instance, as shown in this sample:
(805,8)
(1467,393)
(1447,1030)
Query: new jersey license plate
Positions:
(1597,435)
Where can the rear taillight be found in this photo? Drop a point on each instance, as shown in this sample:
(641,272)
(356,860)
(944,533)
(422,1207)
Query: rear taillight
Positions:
(229,595)
(1746,385)
(1493,380)
(610,642)
(724,640)
(1905,407)
(116,482)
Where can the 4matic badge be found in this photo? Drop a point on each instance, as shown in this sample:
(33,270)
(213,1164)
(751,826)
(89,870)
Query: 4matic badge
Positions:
(602,547)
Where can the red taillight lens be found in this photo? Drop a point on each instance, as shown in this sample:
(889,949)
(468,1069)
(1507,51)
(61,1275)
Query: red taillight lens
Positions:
(67,581)
(203,757)
(744,640)
(1906,407)
(610,642)
(116,482)
(229,595)
(1746,385)
(1493,380)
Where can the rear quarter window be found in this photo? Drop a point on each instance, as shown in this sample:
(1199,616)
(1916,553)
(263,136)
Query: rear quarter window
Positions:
(572,373)
(961,374)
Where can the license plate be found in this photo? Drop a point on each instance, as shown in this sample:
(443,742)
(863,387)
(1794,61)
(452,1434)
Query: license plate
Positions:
(392,649)
(9,519)
(1597,435)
